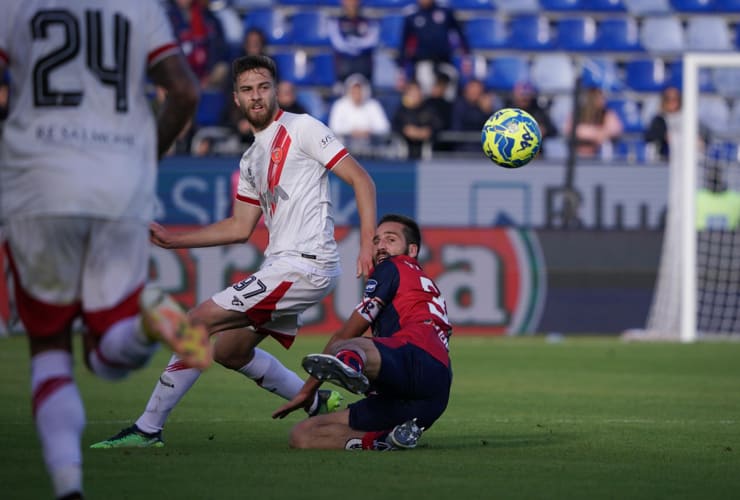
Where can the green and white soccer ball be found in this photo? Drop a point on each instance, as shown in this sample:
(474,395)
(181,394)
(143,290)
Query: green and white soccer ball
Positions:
(511,138)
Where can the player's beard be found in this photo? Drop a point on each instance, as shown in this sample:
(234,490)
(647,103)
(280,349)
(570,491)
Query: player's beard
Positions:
(261,119)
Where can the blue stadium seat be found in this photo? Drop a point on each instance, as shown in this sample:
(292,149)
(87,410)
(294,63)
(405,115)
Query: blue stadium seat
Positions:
(517,6)
(675,77)
(692,5)
(387,4)
(646,75)
(271,22)
(727,6)
(309,28)
(628,111)
(604,5)
(503,72)
(391,29)
(725,81)
(210,108)
(561,5)
(310,3)
(471,5)
(575,33)
(485,33)
(647,7)
(530,32)
(321,70)
(552,73)
(618,35)
(314,103)
(601,72)
(291,66)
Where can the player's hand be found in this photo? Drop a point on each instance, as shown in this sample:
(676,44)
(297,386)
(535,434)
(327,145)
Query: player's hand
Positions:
(159,235)
(365,262)
(301,400)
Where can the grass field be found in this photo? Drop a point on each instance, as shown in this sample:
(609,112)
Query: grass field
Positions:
(578,419)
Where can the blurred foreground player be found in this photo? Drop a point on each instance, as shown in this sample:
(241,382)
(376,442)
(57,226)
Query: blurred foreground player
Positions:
(404,370)
(78,162)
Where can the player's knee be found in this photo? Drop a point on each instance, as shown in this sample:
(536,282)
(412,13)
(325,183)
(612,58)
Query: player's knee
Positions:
(300,435)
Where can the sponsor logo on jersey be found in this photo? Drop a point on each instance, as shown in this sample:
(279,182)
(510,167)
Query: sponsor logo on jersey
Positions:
(370,286)
(326,140)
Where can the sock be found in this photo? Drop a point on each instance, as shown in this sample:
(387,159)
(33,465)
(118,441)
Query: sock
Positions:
(172,385)
(60,419)
(376,440)
(353,359)
(272,375)
(122,349)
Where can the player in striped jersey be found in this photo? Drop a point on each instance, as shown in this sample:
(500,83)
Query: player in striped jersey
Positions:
(283,178)
(404,369)
(78,159)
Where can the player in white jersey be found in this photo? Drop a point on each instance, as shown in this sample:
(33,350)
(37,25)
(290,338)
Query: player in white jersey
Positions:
(283,177)
(78,160)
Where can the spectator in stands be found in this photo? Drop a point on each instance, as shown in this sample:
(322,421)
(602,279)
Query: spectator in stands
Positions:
(353,38)
(470,111)
(431,36)
(596,127)
(357,118)
(524,96)
(656,134)
(442,106)
(201,37)
(254,43)
(415,121)
(287,98)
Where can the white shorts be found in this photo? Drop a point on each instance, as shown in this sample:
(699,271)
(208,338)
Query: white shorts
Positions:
(71,264)
(275,296)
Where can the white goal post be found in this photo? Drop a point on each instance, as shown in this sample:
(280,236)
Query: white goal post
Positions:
(692,260)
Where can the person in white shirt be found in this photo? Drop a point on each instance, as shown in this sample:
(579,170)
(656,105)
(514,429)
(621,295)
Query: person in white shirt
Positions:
(78,168)
(283,178)
(357,117)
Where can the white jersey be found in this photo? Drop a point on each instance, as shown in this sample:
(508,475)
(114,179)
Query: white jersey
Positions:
(286,172)
(80,138)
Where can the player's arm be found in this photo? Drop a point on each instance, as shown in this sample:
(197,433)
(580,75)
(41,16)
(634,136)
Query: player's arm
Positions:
(182,93)
(356,176)
(235,229)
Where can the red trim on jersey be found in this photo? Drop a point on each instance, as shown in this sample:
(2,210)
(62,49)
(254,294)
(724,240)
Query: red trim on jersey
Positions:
(278,154)
(4,56)
(159,53)
(40,318)
(246,199)
(279,114)
(337,158)
(47,388)
(98,322)
(177,366)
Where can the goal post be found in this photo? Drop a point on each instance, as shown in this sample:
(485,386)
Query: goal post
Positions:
(697,291)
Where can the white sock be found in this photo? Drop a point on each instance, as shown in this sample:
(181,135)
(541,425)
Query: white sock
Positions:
(60,419)
(272,375)
(122,349)
(172,385)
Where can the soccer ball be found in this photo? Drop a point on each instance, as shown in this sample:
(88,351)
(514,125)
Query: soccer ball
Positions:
(511,138)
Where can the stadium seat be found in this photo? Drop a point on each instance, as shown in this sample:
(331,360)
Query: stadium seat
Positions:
(561,5)
(660,34)
(292,66)
(472,5)
(309,28)
(314,103)
(675,77)
(628,111)
(485,33)
(714,113)
(310,3)
(321,70)
(530,32)
(210,108)
(710,33)
(561,108)
(647,7)
(503,72)
(385,71)
(604,5)
(725,81)
(732,6)
(391,29)
(601,72)
(575,33)
(646,75)
(271,22)
(692,5)
(517,6)
(552,73)
(618,34)
(630,149)
(733,126)
(387,4)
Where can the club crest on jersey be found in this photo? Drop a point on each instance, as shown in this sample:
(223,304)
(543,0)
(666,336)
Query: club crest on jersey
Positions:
(276,155)
(370,286)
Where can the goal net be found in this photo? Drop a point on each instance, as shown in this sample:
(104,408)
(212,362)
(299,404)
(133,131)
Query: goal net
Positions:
(697,292)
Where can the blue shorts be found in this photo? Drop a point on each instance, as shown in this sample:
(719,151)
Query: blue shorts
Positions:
(411,384)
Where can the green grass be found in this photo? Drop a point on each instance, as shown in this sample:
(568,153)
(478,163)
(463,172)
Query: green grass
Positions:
(579,419)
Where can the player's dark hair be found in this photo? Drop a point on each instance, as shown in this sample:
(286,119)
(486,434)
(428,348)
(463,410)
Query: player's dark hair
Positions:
(248,63)
(411,230)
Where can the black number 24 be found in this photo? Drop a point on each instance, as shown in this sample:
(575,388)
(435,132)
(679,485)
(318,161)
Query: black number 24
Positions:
(115,75)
